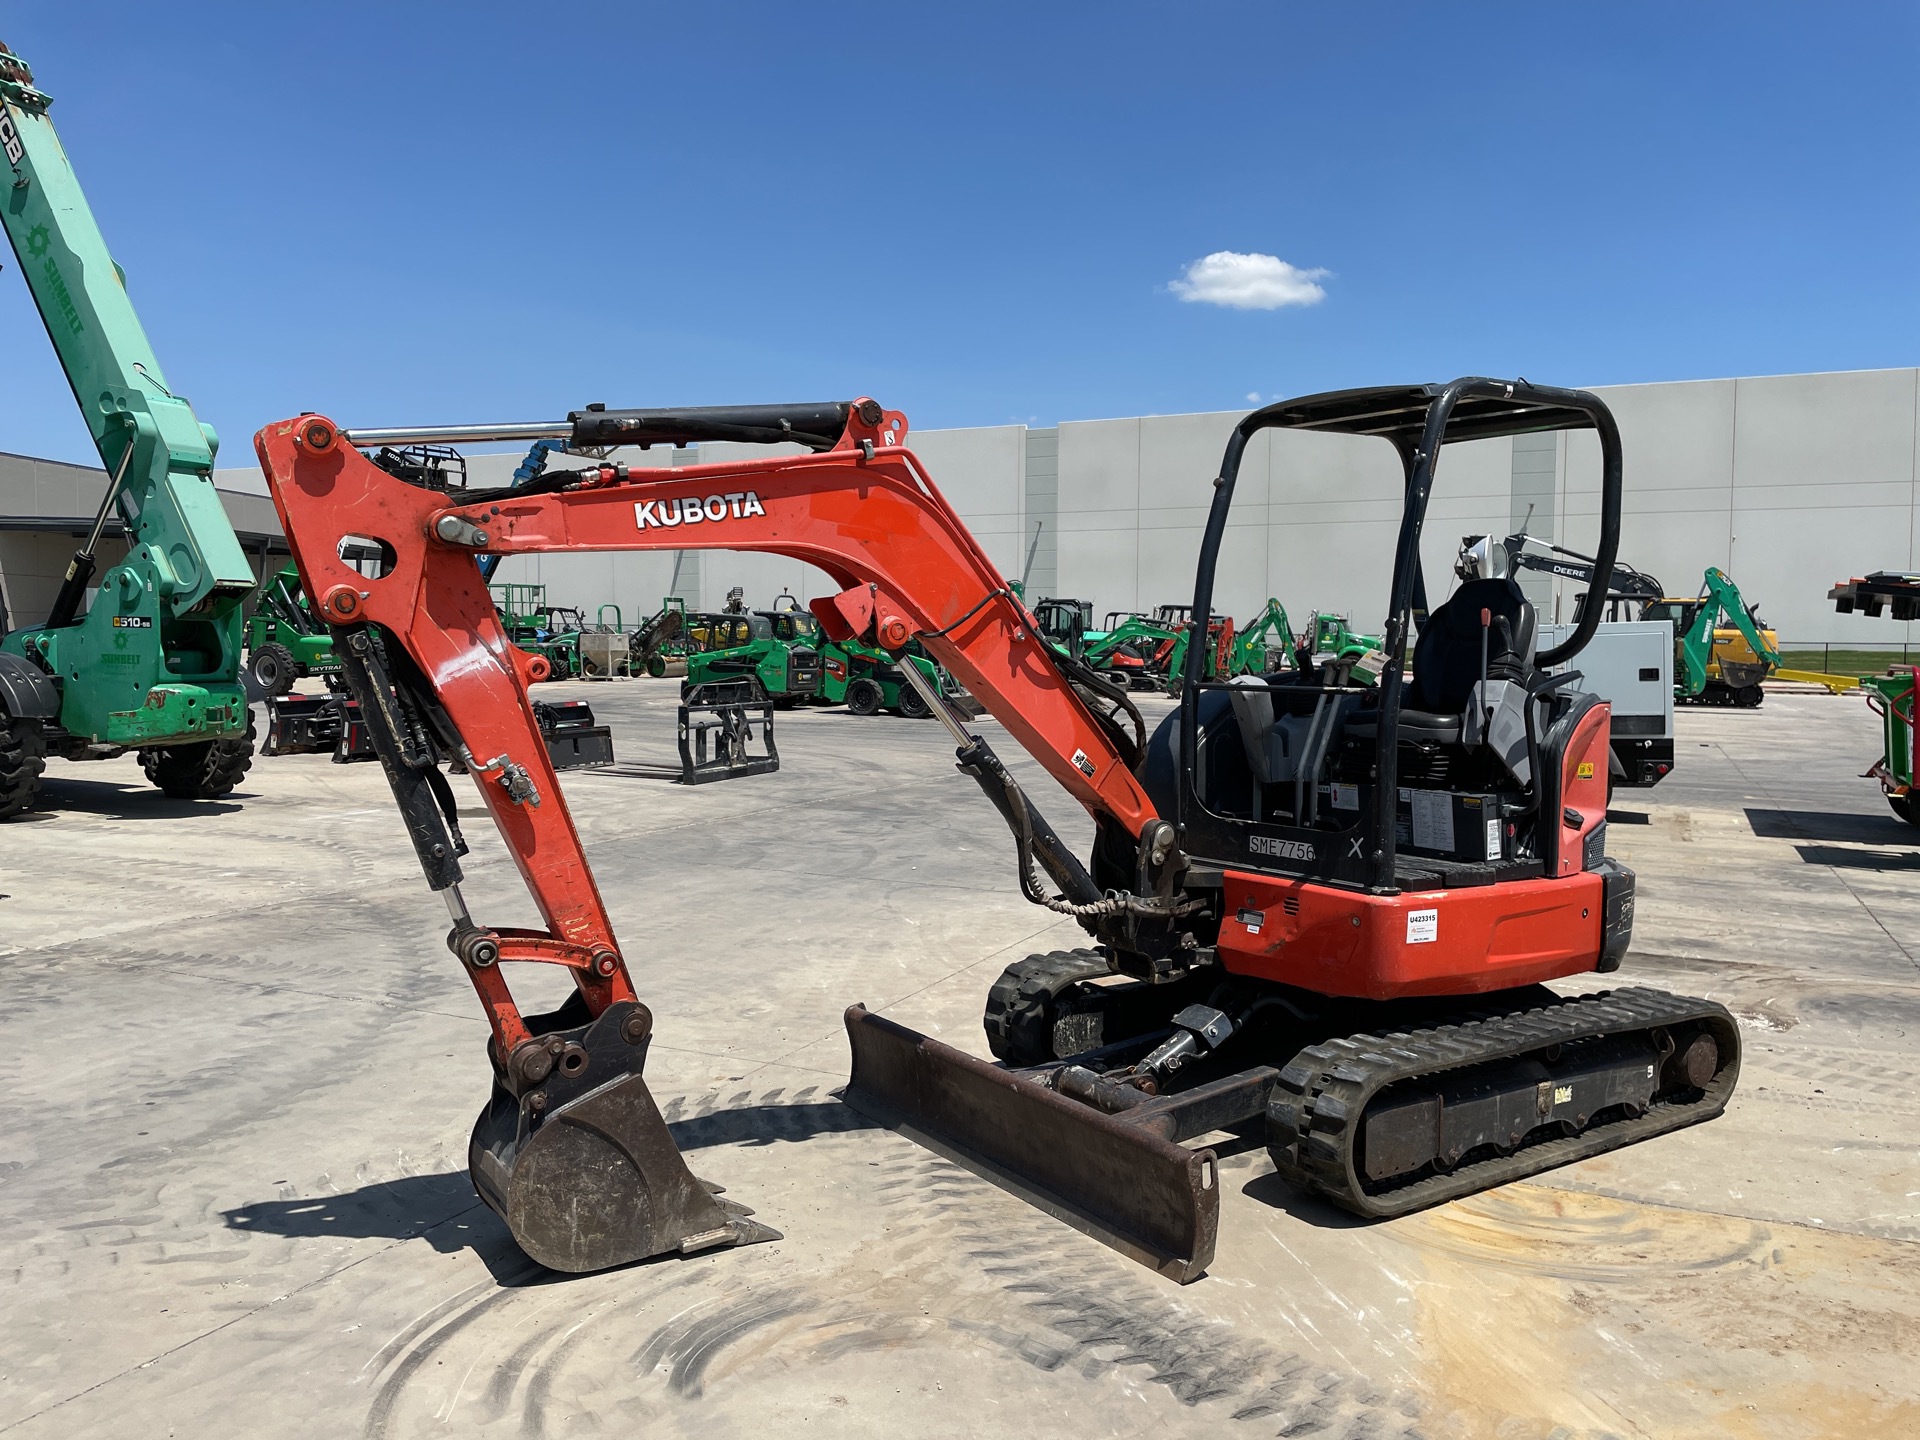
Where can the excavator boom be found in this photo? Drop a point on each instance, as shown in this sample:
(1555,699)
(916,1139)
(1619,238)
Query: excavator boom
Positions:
(437,678)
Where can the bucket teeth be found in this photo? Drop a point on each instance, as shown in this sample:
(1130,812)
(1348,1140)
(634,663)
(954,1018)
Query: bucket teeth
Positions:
(584,1171)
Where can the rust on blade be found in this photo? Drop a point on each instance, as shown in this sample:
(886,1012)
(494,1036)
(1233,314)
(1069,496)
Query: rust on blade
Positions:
(1153,1200)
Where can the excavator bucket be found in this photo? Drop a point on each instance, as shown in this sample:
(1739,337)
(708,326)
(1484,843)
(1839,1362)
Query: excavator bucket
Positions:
(581,1166)
(1120,1178)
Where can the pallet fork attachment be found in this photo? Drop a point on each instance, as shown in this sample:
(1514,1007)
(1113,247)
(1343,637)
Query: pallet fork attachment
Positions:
(716,727)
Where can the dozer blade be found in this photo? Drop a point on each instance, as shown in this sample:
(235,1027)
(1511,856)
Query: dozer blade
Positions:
(581,1166)
(1151,1199)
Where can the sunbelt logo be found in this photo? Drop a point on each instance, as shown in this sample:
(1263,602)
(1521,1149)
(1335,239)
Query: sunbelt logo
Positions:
(692,510)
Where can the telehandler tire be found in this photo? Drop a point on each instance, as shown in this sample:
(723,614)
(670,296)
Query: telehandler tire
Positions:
(23,752)
(203,771)
(273,669)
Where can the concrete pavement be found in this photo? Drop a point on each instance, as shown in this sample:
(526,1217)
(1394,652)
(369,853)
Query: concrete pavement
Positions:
(239,1069)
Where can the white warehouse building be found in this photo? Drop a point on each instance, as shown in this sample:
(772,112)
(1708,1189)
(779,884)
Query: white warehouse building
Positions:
(1788,483)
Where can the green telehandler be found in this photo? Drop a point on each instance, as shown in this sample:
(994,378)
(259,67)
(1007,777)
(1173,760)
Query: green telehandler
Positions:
(285,642)
(151,663)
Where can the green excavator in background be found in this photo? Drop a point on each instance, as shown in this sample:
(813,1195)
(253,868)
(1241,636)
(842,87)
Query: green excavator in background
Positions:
(152,664)
(1267,644)
(1717,663)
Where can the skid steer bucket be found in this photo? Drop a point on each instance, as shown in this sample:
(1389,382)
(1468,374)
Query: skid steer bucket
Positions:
(581,1166)
(1120,1178)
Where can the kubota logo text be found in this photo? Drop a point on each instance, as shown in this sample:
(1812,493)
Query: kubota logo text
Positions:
(692,510)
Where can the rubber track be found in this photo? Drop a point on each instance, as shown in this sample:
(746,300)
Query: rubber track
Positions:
(1314,1113)
(1019,1013)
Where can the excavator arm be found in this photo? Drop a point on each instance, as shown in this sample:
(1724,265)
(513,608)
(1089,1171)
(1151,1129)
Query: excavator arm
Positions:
(437,677)
(1719,587)
(1271,631)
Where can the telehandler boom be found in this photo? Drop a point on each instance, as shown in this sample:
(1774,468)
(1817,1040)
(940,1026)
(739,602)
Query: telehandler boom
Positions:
(1288,860)
(153,662)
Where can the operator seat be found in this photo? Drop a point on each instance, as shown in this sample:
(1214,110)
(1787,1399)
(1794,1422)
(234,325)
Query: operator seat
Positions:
(1446,657)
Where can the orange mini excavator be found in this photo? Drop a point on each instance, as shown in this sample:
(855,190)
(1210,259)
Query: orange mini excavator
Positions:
(1318,904)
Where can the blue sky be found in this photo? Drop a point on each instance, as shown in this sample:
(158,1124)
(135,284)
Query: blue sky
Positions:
(403,212)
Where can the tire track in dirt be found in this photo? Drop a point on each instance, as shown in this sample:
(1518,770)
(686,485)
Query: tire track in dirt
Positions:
(952,1262)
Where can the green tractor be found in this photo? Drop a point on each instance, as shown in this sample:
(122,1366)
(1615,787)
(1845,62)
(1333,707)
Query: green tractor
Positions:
(284,641)
(152,662)
(778,649)
(1894,695)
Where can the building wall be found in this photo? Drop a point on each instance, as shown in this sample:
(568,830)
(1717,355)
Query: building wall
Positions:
(46,509)
(33,566)
(1786,482)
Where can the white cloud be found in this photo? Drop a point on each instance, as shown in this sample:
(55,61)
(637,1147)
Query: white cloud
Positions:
(1253,397)
(1249,282)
